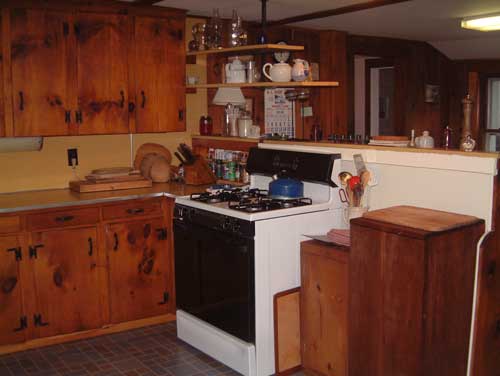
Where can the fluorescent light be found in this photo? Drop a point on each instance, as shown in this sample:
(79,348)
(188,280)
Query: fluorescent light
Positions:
(488,22)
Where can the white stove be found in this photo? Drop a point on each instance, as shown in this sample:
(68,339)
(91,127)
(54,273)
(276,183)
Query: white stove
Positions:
(230,263)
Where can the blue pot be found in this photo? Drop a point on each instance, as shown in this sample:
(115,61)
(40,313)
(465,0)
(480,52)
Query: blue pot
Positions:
(286,187)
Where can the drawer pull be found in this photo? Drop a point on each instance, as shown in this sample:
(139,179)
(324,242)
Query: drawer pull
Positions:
(65,218)
(143,95)
(115,247)
(122,101)
(135,211)
(91,247)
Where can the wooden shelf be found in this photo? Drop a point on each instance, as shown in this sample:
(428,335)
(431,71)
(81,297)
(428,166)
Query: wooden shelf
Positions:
(268,84)
(253,48)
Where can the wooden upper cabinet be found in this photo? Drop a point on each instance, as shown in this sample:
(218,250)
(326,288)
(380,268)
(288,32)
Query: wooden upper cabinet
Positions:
(11,308)
(139,265)
(66,280)
(2,94)
(41,66)
(102,42)
(160,74)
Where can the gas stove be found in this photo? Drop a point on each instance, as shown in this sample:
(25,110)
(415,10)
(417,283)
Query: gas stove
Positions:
(235,248)
(249,200)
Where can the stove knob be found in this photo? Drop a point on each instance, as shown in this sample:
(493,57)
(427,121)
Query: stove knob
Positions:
(236,226)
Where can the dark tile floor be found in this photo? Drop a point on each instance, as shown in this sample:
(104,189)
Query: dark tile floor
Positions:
(149,351)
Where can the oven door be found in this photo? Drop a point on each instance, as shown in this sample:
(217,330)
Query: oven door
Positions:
(214,273)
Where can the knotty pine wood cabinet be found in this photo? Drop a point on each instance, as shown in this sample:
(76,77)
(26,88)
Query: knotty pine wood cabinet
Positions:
(323,308)
(160,76)
(411,284)
(139,271)
(64,264)
(91,69)
(12,315)
(61,276)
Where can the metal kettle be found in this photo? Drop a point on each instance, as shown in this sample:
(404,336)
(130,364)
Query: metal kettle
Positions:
(284,187)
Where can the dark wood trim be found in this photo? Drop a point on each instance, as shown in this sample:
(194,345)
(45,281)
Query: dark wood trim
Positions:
(335,12)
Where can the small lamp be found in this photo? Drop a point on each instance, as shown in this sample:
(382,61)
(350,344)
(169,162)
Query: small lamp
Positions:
(229,97)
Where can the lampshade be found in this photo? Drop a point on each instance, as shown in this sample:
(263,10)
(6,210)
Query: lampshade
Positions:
(487,22)
(226,95)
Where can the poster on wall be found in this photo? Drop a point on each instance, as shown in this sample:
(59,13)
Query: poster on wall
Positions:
(279,113)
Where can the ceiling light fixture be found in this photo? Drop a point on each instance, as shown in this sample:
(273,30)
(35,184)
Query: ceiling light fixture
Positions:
(488,22)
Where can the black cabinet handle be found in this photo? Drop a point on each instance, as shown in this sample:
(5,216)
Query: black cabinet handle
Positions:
(115,247)
(67,117)
(135,211)
(33,250)
(21,101)
(181,115)
(165,298)
(131,107)
(122,102)
(143,104)
(64,218)
(79,116)
(91,247)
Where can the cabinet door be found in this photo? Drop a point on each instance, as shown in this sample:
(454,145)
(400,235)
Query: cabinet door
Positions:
(11,308)
(66,279)
(324,314)
(160,74)
(41,66)
(102,59)
(139,261)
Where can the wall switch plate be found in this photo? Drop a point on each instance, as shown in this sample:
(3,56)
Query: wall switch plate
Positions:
(72,157)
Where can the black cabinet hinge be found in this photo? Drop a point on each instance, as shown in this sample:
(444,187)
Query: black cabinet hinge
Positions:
(18,253)
(166,297)
(76,28)
(37,320)
(23,324)
(67,117)
(162,233)
(181,115)
(79,117)
(33,250)
(180,34)
(65,29)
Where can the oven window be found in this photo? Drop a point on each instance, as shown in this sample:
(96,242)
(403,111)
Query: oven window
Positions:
(215,278)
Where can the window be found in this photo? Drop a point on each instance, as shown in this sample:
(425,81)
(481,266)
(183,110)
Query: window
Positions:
(492,136)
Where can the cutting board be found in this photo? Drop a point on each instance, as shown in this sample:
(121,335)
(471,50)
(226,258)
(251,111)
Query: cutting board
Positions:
(83,186)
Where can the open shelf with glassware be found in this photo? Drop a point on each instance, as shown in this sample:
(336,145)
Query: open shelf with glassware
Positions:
(267,84)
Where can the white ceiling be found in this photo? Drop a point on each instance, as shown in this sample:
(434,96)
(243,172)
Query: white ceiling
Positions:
(433,21)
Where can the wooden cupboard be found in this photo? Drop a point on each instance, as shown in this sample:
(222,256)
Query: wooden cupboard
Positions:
(13,318)
(62,274)
(66,280)
(411,283)
(80,69)
(160,77)
(323,308)
(139,276)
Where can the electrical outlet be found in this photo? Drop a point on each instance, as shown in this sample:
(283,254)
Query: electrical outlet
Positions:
(72,157)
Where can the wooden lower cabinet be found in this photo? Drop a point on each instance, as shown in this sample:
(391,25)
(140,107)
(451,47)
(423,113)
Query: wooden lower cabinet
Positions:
(323,308)
(139,260)
(411,285)
(13,319)
(66,281)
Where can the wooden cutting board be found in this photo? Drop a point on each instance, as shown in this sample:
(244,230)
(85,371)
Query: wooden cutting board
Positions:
(83,186)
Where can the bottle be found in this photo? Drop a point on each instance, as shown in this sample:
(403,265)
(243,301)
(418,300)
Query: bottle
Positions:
(234,37)
(215,41)
(316,132)
(412,143)
(447,137)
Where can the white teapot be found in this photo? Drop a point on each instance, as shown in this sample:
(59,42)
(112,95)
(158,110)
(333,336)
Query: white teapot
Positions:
(300,70)
(280,72)
(236,72)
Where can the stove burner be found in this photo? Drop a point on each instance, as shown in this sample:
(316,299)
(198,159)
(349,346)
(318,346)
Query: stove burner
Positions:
(250,201)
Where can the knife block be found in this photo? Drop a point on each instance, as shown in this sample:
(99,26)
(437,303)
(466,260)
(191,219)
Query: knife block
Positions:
(199,172)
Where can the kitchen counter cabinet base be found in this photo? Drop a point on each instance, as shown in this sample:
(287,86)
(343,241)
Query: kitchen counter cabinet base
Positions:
(411,292)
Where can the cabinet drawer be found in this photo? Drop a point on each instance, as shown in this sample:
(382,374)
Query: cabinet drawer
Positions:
(10,224)
(63,218)
(132,209)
